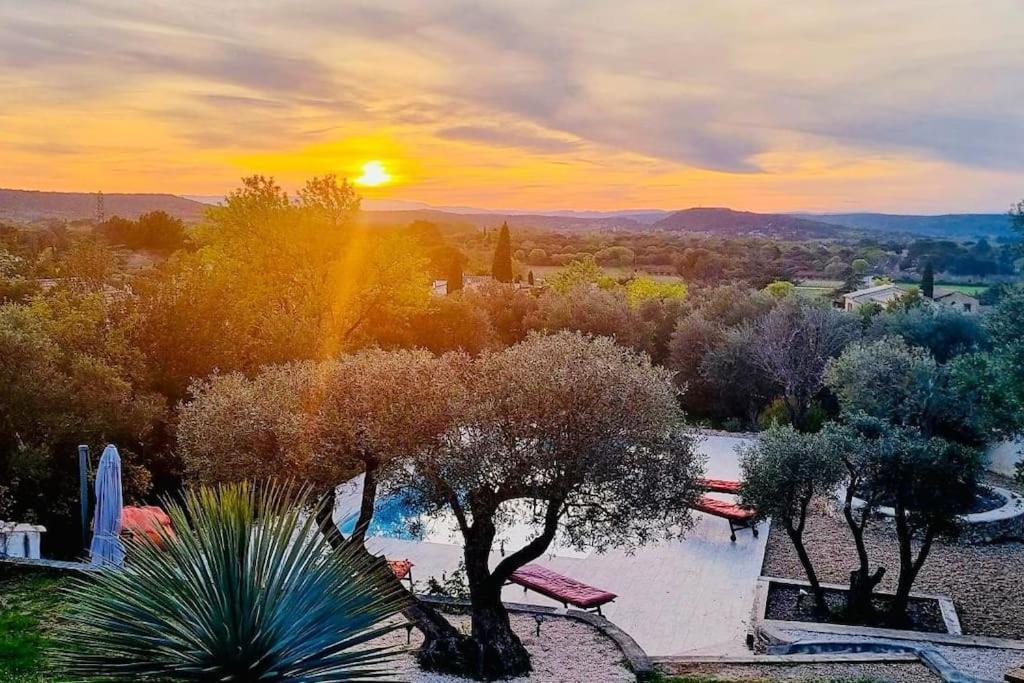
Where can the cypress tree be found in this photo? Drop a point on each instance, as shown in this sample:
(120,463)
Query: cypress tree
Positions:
(455,281)
(502,268)
(928,281)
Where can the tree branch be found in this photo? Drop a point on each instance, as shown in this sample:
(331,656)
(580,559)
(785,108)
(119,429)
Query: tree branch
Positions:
(535,548)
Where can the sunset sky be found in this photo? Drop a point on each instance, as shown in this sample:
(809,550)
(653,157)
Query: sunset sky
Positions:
(830,105)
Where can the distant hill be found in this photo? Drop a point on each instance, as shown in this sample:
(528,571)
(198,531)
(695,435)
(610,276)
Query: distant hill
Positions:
(957,225)
(482,220)
(30,205)
(718,221)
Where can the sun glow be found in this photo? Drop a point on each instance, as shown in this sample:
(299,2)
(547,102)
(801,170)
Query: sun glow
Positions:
(374,174)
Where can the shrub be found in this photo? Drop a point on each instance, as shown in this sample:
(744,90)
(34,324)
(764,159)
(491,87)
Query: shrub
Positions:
(247,590)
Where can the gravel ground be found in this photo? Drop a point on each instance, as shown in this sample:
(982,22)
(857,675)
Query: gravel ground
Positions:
(567,651)
(890,673)
(986,582)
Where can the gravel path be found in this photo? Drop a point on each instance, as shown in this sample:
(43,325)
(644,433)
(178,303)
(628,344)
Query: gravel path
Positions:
(567,651)
(986,582)
(833,673)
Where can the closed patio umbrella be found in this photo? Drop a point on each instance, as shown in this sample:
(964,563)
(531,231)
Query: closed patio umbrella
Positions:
(106,546)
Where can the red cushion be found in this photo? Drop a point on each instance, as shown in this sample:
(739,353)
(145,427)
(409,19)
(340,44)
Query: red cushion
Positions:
(146,520)
(720,508)
(561,588)
(401,568)
(720,485)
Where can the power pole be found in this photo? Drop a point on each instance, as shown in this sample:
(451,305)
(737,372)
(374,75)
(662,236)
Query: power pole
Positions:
(101,214)
(83,492)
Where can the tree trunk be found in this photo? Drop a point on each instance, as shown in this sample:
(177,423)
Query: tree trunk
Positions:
(444,649)
(820,606)
(909,568)
(499,652)
(859,608)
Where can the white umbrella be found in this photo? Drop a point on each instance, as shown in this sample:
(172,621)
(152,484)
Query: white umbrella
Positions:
(106,526)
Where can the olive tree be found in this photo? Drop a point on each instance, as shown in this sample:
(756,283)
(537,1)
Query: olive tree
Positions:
(783,472)
(576,436)
(324,423)
(910,442)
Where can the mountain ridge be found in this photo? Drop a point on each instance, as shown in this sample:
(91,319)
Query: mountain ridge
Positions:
(33,205)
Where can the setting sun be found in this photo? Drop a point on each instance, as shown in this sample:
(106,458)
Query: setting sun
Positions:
(373,175)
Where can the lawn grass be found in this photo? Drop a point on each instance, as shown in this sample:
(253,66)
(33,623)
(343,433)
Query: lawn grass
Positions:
(973,290)
(29,605)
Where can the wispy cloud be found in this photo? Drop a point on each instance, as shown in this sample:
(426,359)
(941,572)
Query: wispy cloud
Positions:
(751,93)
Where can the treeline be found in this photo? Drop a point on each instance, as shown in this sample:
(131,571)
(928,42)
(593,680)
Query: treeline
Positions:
(156,230)
(752,260)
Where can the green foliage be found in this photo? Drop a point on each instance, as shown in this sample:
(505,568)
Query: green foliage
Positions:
(266,596)
(780,289)
(784,470)
(501,269)
(273,280)
(641,288)
(69,374)
(578,272)
(615,256)
(452,585)
(902,385)
(944,331)
(156,230)
(992,382)
(777,414)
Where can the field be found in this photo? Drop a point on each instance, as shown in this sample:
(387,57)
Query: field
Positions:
(973,290)
(817,287)
(541,272)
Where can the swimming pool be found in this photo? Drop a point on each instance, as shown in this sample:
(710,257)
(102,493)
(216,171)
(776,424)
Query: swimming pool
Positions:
(393,519)
(390,519)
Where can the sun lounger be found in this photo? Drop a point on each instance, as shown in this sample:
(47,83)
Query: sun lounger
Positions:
(561,588)
(147,521)
(402,570)
(720,485)
(739,517)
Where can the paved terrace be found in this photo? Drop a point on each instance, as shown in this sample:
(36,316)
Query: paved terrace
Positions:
(689,597)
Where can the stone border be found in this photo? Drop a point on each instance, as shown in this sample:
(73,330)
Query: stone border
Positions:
(762,627)
(638,660)
(1005,522)
(946,606)
(27,564)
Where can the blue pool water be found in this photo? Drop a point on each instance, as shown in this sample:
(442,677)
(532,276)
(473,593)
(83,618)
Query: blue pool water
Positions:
(391,518)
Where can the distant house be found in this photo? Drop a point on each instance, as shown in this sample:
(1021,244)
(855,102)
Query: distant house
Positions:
(958,300)
(440,287)
(884,294)
(881,295)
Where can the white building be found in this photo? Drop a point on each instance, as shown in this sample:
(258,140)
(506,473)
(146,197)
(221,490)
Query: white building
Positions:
(958,300)
(881,294)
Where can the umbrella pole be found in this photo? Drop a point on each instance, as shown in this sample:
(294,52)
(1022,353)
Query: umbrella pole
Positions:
(83,492)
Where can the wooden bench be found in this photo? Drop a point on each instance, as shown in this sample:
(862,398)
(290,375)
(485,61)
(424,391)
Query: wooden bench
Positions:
(560,588)
(739,517)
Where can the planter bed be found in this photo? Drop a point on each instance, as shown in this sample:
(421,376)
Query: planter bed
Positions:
(785,603)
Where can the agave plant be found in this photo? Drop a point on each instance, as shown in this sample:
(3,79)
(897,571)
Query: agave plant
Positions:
(246,590)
